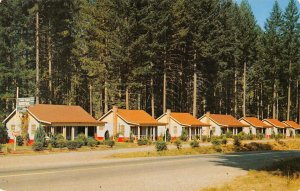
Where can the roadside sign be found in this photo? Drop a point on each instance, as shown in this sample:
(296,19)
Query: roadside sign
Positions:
(16,133)
(24,103)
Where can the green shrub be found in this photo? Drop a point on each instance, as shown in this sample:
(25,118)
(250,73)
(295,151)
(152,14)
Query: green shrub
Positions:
(217,148)
(3,134)
(82,138)
(216,141)
(242,135)
(228,134)
(50,147)
(80,142)
(19,140)
(38,146)
(178,144)
(194,143)
(143,141)
(224,141)
(1,147)
(260,136)
(277,137)
(100,142)
(40,136)
(204,138)
(184,135)
(161,146)
(72,145)
(61,143)
(237,141)
(92,142)
(109,143)
(168,136)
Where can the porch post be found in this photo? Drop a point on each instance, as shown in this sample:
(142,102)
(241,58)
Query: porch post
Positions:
(65,132)
(190,133)
(52,130)
(86,131)
(153,137)
(147,131)
(73,133)
(200,133)
(196,131)
(139,132)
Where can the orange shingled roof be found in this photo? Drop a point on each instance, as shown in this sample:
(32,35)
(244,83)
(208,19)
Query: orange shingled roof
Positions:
(187,119)
(256,122)
(138,117)
(226,120)
(292,124)
(62,114)
(275,123)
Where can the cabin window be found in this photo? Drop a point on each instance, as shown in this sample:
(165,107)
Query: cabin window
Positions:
(12,128)
(122,128)
(175,130)
(33,129)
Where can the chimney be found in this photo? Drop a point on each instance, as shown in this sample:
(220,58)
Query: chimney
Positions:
(208,122)
(115,119)
(168,116)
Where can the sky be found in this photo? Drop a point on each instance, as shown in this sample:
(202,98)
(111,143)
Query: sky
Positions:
(262,9)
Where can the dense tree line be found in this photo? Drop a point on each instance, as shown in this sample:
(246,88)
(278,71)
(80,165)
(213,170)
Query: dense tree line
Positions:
(186,55)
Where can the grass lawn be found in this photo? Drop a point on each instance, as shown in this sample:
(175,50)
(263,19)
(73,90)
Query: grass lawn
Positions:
(281,176)
(25,150)
(253,146)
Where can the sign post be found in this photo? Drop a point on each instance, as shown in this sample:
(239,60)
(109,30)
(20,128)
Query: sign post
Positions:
(24,103)
(15,134)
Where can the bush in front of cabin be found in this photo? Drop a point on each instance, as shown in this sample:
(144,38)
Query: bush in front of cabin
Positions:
(3,134)
(260,136)
(216,141)
(204,138)
(194,143)
(82,138)
(184,135)
(20,140)
(40,136)
(72,145)
(143,141)
(38,146)
(61,143)
(161,146)
(178,144)
(109,143)
(92,142)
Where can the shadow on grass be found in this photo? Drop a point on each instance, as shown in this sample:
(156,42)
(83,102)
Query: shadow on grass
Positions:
(270,161)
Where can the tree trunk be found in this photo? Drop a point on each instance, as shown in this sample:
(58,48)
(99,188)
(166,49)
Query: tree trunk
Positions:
(152,98)
(274,101)
(50,65)
(165,93)
(105,98)
(91,100)
(261,101)
(127,98)
(37,58)
(298,100)
(235,93)
(244,98)
(289,94)
(195,93)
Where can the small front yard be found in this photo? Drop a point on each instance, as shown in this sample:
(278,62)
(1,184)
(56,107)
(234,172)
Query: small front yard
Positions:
(281,176)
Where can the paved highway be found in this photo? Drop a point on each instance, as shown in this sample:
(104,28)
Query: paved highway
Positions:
(161,173)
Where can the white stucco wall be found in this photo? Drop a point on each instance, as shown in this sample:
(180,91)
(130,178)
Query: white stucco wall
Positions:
(216,129)
(32,122)
(248,129)
(15,121)
(109,126)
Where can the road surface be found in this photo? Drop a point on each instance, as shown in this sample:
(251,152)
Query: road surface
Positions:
(161,173)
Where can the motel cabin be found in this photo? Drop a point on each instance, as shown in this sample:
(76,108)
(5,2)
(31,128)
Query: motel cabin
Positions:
(257,126)
(277,127)
(176,122)
(56,119)
(126,123)
(220,124)
(293,128)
